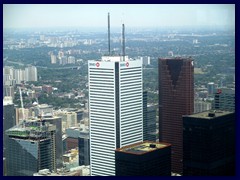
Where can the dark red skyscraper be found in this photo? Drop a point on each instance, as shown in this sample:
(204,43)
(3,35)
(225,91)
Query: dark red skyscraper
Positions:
(176,98)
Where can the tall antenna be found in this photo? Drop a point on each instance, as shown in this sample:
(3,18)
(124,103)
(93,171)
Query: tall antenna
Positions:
(123,41)
(108,34)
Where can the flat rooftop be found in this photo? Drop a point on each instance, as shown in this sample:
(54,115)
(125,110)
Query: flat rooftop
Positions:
(143,147)
(114,58)
(209,114)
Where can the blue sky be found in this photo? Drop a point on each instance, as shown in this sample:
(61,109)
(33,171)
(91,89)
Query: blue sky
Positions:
(133,15)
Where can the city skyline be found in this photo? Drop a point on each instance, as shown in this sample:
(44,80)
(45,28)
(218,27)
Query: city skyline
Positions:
(133,15)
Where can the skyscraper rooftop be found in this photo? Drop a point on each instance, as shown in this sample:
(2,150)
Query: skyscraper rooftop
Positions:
(31,130)
(209,114)
(143,147)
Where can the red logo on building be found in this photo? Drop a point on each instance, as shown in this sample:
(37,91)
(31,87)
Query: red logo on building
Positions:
(127,64)
(97,64)
(219,91)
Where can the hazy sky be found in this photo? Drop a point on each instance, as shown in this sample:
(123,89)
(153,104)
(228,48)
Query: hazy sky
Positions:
(133,15)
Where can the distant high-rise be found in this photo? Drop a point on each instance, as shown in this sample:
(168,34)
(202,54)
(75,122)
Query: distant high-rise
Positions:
(19,75)
(209,144)
(224,99)
(176,98)
(9,91)
(31,73)
(53,59)
(71,119)
(144,159)
(211,88)
(115,109)
(31,147)
(200,106)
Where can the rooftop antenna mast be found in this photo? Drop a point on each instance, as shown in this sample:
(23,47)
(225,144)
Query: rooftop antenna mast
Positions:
(109,34)
(123,41)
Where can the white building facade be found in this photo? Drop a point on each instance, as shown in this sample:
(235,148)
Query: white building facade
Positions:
(115,110)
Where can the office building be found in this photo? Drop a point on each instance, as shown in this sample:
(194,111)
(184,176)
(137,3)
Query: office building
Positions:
(144,159)
(224,99)
(84,148)
(151,123)
(209,144)
(72,134)
(211,88)
(31,147)
(56,121)
(9,119)
(115,109)
(176,98)
(145,129)
(149,120)
(71,119)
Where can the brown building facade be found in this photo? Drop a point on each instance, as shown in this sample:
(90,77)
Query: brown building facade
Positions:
(176,98)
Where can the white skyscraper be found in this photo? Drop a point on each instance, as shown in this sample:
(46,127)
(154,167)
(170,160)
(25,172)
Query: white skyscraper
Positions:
(19,75)
(115,109)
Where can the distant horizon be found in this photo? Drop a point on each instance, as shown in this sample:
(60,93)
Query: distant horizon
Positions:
(132,15)
(103,29)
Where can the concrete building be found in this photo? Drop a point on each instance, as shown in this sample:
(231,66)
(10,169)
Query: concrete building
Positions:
(53,59)
(8,91)
(19,75)
(71,119)
(115,109)
(47,88)
(71,60)
(31,73)
(201,106)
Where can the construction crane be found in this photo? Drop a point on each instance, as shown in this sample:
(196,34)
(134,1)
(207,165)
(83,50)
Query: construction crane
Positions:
(20,92)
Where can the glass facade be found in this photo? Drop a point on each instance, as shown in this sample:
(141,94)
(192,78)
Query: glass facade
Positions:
(31,147)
